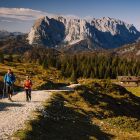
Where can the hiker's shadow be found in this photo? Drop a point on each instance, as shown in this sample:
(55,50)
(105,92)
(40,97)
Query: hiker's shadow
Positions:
(5,105)
(60,122)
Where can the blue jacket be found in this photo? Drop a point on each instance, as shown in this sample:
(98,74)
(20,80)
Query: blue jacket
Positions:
(9,79)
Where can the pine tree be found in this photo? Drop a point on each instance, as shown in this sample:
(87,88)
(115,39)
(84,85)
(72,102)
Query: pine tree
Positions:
(74,77)
(1,58)
(10,58)
(45,64)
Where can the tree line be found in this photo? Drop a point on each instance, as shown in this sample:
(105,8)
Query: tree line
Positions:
(88,65)
(83,65)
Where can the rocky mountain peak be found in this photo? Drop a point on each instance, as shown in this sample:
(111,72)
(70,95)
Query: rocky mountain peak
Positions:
(105,32)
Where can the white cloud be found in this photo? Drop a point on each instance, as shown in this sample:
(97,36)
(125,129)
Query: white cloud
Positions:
(21,19)
(21,13)
(6,20)
(26,14)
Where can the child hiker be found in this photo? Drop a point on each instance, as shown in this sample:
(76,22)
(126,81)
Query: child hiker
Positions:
(27,87)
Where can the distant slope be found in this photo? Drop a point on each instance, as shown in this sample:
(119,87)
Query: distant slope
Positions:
(14,44)
(4,34)
(129,51)
(20,45)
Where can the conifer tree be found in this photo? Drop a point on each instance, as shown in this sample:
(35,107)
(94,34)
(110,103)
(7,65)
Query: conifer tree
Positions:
(1,58)
(74,77)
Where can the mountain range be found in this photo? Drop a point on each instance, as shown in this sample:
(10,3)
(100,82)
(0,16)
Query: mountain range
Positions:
(82,34)
(4,34)
(71,35)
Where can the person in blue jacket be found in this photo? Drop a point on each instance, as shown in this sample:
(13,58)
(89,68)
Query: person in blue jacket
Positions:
(9,80)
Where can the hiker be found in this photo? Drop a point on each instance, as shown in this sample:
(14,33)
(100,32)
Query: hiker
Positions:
(27,87)
(9,80)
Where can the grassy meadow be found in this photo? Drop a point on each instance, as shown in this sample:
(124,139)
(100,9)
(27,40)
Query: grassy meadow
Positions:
(99,110)
(39,76)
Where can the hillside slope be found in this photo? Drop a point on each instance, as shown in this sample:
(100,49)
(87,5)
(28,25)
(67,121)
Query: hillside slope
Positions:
(38,75)
(130,50)
(93,111)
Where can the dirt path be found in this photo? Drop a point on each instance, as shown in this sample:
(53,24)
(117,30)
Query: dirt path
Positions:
(14,114)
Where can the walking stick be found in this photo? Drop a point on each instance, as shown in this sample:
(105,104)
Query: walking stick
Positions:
(4,88)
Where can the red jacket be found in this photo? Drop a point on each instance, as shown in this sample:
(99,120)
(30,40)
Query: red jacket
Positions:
(27,84)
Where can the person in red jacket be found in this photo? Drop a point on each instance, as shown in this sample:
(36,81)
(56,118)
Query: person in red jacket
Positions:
(27,87)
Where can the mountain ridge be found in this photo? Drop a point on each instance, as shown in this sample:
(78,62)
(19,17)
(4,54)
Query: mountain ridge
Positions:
(104,33)
(4,34)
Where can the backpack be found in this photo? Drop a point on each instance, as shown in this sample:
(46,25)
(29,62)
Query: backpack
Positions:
(28,83)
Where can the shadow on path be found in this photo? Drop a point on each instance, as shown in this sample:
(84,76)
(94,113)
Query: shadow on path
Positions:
(60,122)
(4,105)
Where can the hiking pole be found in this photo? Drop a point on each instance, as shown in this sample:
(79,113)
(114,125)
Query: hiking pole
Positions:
(3,95)
(13,91)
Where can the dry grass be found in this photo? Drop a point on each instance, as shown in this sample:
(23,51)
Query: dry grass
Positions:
(134,90)
(38,75)
(95,111)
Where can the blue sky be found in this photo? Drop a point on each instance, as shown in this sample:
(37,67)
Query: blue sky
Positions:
(126,10)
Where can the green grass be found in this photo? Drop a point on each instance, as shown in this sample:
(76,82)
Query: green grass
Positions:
(95,111)
(125,123)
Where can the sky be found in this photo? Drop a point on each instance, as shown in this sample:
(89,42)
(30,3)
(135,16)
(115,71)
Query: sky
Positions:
(19,15)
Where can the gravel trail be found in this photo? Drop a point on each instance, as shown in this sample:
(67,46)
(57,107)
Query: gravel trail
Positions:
(14,114)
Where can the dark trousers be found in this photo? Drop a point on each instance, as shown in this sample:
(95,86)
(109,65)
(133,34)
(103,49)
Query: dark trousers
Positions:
(9,90)
(28,94)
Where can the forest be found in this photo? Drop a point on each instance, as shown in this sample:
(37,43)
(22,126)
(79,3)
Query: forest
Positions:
(81,65)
